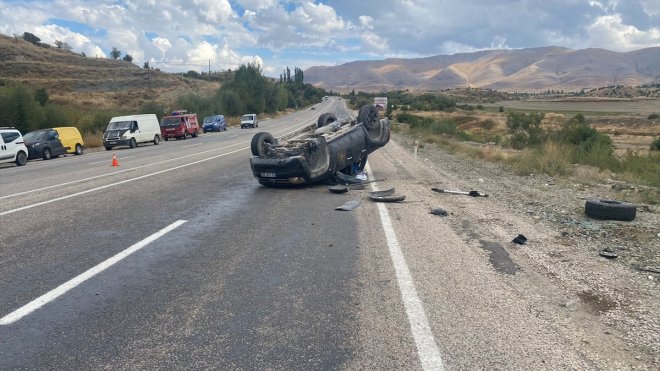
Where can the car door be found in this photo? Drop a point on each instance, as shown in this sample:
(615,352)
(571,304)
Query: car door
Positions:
(57,149)
(11,143)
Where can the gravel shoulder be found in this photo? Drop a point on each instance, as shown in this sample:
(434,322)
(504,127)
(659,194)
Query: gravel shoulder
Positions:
(604,312)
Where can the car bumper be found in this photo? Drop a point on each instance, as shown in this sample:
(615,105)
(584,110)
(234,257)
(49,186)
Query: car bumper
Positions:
(35,153)
(116,142)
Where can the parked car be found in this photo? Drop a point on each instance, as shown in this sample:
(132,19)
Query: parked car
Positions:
(71,139)
(249,120)
(12,146)
(44,143)
(214,123)
(180,124)
(131,130)
(320,151)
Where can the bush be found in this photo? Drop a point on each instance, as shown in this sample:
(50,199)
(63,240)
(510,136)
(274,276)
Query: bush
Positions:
(655,145)
(551,158)
(653,116)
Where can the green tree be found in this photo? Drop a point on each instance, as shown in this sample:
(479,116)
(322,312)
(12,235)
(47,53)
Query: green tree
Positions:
(115,53)
(128,58)
(29,37)
(41,96)
(231,103)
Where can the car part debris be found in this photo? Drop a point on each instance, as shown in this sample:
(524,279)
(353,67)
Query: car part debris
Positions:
(520,239)
(350,179)
(470,193)
(386,192)
(610,210)
(608,253)
(349,205)
(338,189)
(438,211)
(392,198)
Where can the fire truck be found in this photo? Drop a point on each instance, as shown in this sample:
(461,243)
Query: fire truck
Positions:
(180,125)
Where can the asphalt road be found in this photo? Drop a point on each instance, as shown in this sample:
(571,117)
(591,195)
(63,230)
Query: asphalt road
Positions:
(178,258)
(249,277)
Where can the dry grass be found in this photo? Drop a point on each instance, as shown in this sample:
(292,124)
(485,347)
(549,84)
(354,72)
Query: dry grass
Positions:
(93,139)
(552,159)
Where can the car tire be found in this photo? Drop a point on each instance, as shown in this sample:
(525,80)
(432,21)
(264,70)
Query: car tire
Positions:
(47,155)
(204,131)
(185,136)
(108,148)
(368,116)
(325,119)
(194,134)
(156,140)
(166,138)
(260,143)
(79,150)
(610,210)
(132,143)
(21,158)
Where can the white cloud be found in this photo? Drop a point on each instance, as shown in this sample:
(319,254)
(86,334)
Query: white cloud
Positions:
(610,33)
(162,43)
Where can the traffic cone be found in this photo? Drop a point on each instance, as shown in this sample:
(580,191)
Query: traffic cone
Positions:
(114,160)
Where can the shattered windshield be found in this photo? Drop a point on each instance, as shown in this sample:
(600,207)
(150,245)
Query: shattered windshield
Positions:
(120,125)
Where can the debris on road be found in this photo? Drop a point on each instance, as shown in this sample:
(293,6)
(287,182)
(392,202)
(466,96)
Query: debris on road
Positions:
(349,205)
(470,193)
(608,253)
(520,239)
(386,195)
(338,189)
(438,211)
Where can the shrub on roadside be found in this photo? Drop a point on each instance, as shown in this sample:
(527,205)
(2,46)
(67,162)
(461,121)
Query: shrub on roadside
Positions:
(551,158)
(654,116)
(655,145)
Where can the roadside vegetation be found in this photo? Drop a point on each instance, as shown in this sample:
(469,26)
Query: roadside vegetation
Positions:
(248,92)
(525,142)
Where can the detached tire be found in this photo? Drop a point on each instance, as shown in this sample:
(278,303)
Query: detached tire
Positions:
(368,116)
(610,210)
(325,119)
(260,143)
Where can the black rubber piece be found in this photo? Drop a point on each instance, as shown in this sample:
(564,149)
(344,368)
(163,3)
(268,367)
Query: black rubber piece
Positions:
(610,210)
(325,119)
(368,116)
(260,143)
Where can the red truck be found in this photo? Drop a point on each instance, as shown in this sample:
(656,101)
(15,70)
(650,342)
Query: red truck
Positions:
(180,124)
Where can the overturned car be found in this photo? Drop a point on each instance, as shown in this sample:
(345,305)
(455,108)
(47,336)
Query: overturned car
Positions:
(319,151)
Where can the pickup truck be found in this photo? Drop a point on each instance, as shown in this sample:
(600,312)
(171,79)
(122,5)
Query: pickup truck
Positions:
(319,151)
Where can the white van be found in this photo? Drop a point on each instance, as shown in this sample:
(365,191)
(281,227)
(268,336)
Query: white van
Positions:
(12,147)
(131,130)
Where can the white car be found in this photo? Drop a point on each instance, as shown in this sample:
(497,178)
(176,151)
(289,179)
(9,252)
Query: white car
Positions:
(249,120)
(12,147)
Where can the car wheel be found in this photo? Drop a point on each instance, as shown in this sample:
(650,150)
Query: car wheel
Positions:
(204,131)
(47,155)
(185,136)
(224,129)
(194,134)
(108,148)
(156,139)
(368,116)
(133,143)
(325,119)
(79,149)
(21,158)
(261,142)
(610,210)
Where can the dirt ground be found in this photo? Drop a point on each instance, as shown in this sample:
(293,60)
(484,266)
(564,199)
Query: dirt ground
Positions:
(606,307)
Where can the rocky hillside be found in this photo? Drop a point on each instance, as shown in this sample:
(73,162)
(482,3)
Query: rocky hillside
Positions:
(71,78)
(523,70)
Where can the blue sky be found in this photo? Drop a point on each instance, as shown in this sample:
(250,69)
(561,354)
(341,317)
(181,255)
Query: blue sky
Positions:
(178,35)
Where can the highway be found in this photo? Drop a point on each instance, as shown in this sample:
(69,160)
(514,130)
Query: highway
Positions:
(235,275)
(179,259)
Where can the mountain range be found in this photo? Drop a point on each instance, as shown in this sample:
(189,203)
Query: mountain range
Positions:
(521,70)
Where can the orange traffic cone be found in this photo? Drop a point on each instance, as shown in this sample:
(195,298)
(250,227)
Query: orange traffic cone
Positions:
(114,160)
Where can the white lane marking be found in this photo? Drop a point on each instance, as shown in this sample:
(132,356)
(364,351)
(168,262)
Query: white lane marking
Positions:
(192,145)
(427,349)
(118,183)
(129,169)
(72,283)
(118,158)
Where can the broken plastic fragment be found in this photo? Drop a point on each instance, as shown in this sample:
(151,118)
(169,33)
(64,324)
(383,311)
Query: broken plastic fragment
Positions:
(349,205)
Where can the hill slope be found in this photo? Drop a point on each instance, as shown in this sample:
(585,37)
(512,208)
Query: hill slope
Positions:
(70,78)
(532,69)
